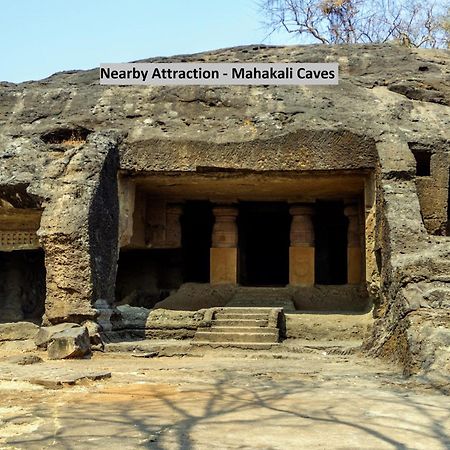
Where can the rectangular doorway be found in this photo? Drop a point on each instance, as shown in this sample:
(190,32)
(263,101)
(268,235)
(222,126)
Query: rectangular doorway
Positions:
(264,229)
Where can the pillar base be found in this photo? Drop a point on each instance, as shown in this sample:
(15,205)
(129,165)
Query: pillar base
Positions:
(301,266)
(223,265)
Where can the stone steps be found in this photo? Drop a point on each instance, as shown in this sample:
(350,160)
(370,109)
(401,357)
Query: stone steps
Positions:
(240,322)
(220,336)
(240,345)
(241,327)
(240,316)
(244,329)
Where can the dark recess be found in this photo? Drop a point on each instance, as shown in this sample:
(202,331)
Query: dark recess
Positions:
(422,155)
(330,230)
(196,231)
(22,285)
(147,276)
(61,135)
(264,243)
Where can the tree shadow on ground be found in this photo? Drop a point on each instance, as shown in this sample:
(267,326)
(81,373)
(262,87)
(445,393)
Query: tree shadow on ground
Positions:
(148,417)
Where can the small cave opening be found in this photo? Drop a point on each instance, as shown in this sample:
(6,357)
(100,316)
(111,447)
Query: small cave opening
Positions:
(22,286)
(423,161)
(330,230)
(264,240)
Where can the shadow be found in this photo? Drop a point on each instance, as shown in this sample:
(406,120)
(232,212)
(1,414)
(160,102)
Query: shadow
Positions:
(103,226)
(233,405)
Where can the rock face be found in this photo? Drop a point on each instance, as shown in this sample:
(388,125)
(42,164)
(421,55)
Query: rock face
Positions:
(70,343)
(63,141)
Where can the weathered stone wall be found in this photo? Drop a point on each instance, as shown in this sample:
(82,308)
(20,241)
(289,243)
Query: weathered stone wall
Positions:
(413,317)
(433,190)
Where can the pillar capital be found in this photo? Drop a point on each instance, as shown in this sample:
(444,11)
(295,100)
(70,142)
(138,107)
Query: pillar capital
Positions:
(301,209)
(225,234)
(225,212)
(302,229)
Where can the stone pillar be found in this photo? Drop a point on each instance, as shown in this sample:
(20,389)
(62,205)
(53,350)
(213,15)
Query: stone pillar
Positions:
(301,250)
(80,233)
(173,225)
(224,252)
(354,263)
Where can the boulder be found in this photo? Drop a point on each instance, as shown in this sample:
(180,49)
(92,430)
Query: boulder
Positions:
(69,343)
(132,317)
(45,334)
(18,331)
(95,338)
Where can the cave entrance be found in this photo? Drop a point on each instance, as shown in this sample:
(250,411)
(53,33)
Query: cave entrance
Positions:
(22,286)
(330,230)
(263,230)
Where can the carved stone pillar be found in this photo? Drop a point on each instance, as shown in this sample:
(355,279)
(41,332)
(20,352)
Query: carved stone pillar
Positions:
(173,225)
(223,255)
(354,262)
(301,250)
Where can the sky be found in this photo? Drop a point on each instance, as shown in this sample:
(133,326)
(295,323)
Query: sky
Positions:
(41,37)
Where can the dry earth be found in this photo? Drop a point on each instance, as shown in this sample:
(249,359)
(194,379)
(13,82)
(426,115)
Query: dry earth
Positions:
(227,400)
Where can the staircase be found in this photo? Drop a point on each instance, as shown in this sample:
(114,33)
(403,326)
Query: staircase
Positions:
(249,328)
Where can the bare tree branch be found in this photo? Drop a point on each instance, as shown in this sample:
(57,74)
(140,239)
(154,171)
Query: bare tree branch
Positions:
(418,23)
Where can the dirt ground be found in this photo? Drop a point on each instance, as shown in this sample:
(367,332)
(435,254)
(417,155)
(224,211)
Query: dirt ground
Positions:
(308,399)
